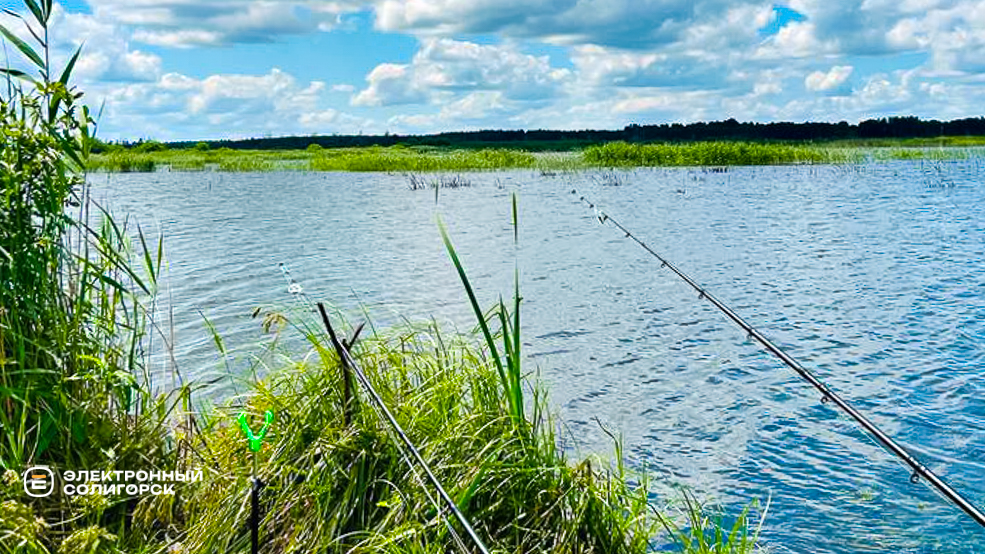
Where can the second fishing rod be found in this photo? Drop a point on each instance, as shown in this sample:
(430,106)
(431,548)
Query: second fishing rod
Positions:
(827,395)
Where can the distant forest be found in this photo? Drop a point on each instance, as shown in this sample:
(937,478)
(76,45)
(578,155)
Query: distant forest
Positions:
(729,130)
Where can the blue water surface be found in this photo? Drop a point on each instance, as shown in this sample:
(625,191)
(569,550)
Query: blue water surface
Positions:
(870,275)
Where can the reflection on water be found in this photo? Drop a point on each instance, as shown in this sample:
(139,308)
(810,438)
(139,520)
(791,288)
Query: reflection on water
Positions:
(870,275)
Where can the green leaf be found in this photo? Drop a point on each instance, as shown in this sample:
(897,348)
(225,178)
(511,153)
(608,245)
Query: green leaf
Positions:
(67,72)
(216,337)
(18,74)
(22,46)
(147,258)
(113,283)
(474,302)
(36,10)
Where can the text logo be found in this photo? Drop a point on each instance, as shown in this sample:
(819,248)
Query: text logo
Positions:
(39,481)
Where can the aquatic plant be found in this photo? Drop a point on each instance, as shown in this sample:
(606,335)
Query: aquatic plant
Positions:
(698,528)
(615,154)
(122,162)
(400,159)
(419,182)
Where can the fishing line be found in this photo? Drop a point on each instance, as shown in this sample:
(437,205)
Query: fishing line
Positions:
(918,469)
(381,409)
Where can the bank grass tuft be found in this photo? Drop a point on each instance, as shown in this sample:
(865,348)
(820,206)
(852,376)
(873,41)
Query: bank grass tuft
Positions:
(337,488)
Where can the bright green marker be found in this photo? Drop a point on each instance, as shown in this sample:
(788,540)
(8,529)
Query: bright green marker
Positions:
(256,441)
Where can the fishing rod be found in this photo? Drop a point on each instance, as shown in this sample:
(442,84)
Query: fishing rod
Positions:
(919,469)
(347,361)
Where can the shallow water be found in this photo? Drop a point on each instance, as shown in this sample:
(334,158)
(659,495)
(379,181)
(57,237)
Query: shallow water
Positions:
(870,275)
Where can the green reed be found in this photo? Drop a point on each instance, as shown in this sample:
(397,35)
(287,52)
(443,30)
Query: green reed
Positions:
(74,293)
(704,154)
(400,159)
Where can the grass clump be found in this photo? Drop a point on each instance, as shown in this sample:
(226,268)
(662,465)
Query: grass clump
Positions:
(402,159)
(697,528)
(920,153)
(337,488)
(122,161)
(616,154)
(247,164)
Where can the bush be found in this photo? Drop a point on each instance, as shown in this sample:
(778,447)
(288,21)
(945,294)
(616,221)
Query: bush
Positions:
(149,146)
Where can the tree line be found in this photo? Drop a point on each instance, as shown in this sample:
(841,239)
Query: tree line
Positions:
(544,139)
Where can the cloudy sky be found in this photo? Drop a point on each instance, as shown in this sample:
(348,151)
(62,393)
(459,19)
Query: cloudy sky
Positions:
(194,69)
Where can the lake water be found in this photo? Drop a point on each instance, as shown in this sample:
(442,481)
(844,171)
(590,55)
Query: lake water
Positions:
(870,275)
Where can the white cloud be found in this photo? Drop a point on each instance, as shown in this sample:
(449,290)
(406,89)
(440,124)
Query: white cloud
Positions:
(193,23)
(179,107)
(620,23)
(796,40)
(599,66)
(831,80)
(390,84)
(189,38)
(443,66)
(106,53)
(477,106)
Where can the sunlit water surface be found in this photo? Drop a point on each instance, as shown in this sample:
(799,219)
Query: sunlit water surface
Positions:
(870,275)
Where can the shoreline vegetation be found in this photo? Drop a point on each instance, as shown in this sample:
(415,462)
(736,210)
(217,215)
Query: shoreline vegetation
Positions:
(78,298)
(155,156)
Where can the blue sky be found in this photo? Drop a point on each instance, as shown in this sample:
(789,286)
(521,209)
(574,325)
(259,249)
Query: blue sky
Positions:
(196,69)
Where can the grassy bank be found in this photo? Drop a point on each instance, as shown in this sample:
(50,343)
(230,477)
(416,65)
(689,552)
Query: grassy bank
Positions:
(337,487)
(334,487)
(616,154)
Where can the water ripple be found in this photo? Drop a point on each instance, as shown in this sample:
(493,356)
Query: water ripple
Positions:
(871,275)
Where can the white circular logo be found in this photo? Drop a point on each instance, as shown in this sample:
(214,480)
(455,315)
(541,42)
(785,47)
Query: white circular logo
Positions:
(39,481)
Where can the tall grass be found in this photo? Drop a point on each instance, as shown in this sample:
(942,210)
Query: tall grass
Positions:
(399,159)
(338,488)
(392,159)
(704,153)
(509,362)
(72,301)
